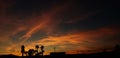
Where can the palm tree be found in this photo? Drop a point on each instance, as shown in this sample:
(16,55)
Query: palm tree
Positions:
(22,49)
(37,47)
(42,47)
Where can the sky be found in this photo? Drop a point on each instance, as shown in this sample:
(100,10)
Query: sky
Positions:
(68,25)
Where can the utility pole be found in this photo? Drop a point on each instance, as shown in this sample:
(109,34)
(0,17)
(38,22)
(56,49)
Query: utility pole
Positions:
(54,49)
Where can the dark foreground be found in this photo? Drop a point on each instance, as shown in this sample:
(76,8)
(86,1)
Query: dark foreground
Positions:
(96,55)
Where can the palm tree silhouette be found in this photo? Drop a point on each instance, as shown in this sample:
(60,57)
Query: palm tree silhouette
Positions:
(42,47)
(22,49)
(37,47)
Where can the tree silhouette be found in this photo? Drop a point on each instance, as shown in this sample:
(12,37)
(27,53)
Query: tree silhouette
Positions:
(37,47)
(42,47)
(31,52)
(22,49)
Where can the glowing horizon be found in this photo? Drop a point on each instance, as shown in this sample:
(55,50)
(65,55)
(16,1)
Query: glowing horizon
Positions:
(67,25)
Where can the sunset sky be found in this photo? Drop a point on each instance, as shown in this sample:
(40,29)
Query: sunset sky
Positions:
(68,25)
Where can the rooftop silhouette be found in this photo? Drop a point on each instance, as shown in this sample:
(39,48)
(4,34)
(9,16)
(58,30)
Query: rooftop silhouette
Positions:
(38,52)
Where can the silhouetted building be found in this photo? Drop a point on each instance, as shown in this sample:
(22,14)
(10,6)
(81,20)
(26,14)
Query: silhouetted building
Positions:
(117,49)
(57,53)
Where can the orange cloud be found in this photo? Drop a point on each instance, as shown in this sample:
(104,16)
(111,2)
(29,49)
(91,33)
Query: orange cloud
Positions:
(47,22)
(70,42)
(79,40)
(76,37)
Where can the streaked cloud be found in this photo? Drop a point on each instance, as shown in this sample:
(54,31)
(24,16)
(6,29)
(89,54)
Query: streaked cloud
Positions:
(87,40)
(47,21)
(66,25)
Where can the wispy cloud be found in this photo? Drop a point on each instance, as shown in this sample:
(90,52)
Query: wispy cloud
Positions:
(47,22)
(78,37)
(81,40)
(17,28)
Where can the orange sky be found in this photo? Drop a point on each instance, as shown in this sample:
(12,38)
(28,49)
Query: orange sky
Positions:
(70,26)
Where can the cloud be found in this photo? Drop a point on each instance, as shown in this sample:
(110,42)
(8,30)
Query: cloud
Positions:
(48,21)
(78,37)
(9,27)
(45,22)
(87,40)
